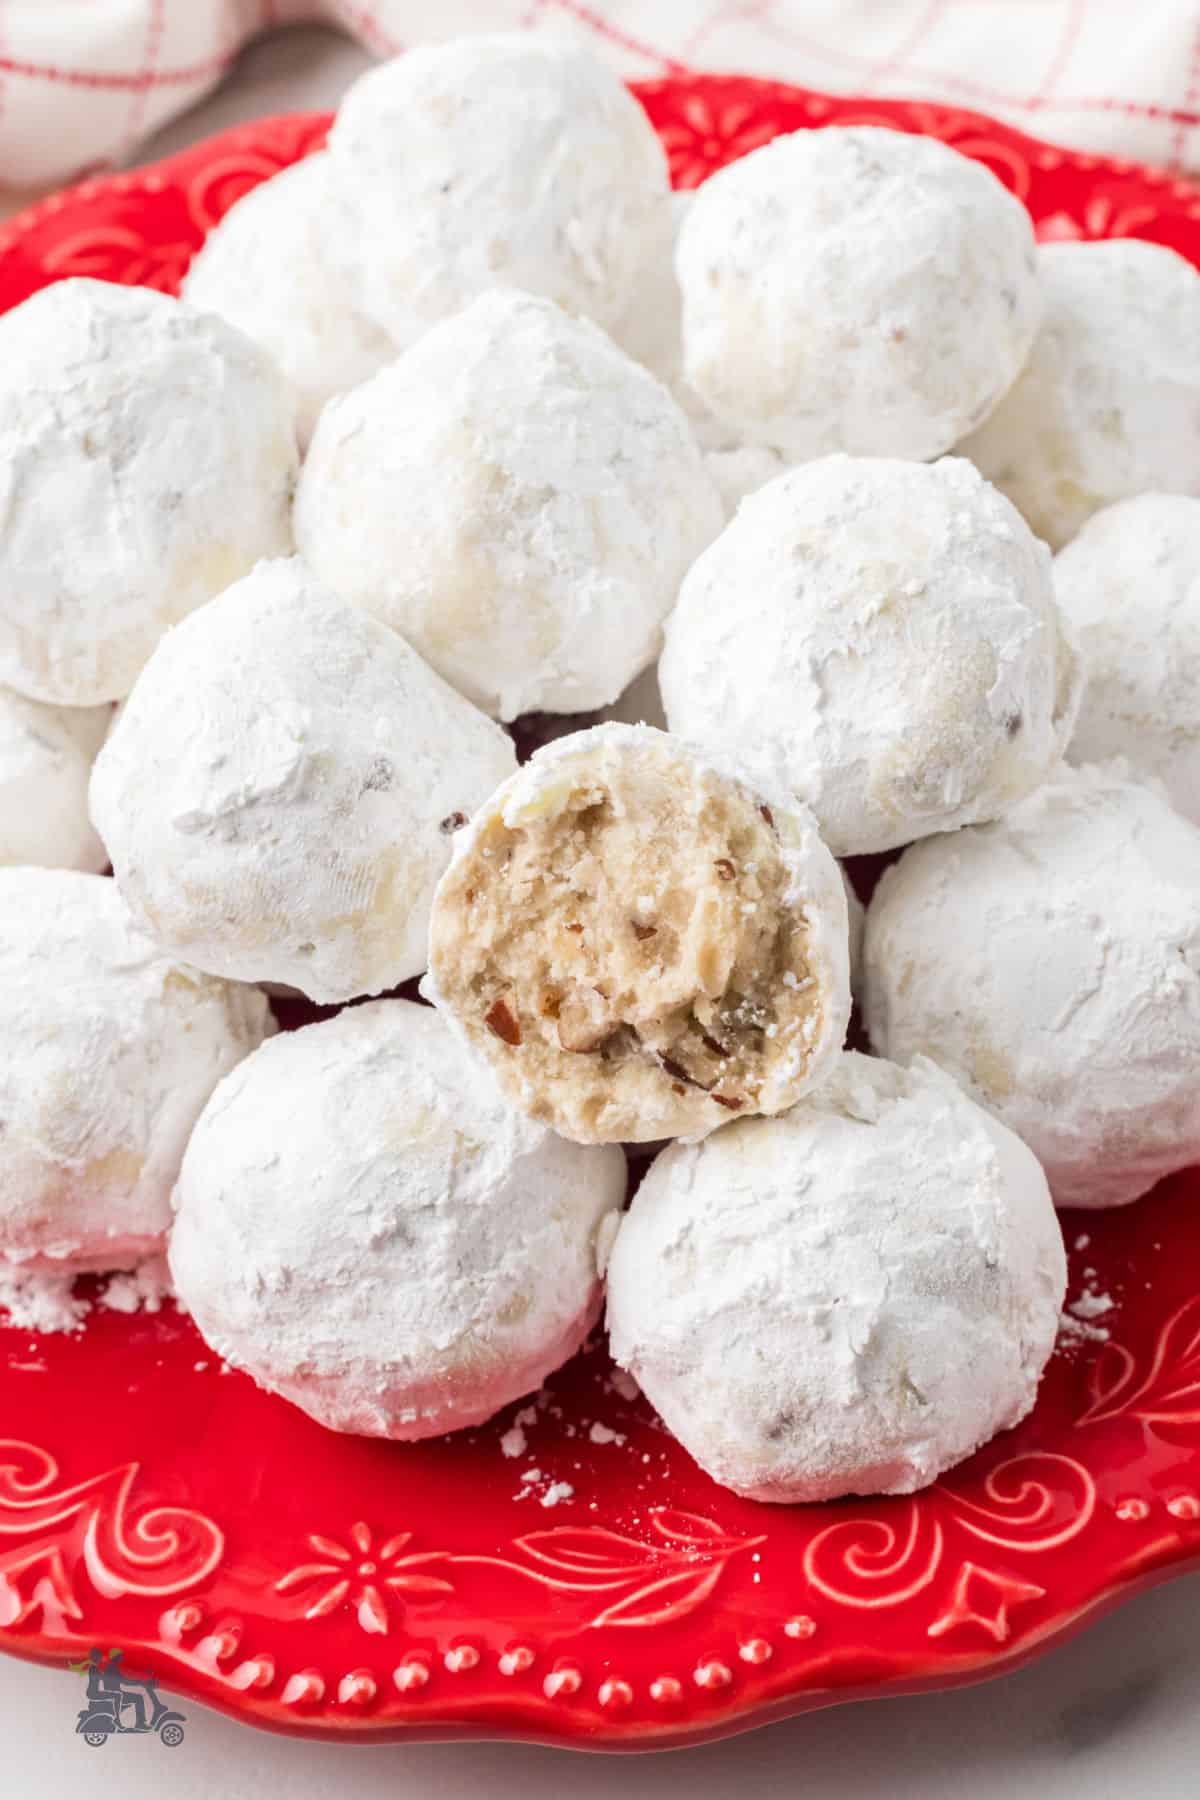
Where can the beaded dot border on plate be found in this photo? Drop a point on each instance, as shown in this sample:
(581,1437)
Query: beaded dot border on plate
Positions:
(359,1688)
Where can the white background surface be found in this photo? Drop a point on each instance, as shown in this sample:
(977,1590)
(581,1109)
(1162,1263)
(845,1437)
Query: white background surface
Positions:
(1114,1715)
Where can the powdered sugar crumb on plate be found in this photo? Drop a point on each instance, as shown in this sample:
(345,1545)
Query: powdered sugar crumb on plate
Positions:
(604,1434)
(42,1300)
(1073,1331)
(1077,1324)
(1091,1305)
(141,1289)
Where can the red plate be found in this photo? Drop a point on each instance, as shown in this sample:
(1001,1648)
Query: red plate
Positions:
(349,1589)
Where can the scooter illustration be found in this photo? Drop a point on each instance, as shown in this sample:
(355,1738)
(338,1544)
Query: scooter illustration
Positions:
(124,1703)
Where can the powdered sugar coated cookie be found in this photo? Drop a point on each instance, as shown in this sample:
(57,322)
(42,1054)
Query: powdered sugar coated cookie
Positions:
(108,1052)
(147,459)
(367,1228)
(281,791)
(518,498)
(1108,404)
(847,1299)
(881,638)
(1051,962)
(1129,587)
(855,289)
(496,161)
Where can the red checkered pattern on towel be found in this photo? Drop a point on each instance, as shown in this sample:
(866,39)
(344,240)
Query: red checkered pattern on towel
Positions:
(81,81)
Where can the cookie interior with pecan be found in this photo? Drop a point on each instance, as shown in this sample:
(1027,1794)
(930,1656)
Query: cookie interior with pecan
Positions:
(642,947)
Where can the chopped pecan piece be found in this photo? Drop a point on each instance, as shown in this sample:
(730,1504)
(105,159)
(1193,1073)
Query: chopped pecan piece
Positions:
(452,822)
(679,1073)
(725,868)
(499,1020)
(584,1022)
(642,932)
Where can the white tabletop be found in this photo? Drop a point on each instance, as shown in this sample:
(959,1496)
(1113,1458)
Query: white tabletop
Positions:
(1114,1714)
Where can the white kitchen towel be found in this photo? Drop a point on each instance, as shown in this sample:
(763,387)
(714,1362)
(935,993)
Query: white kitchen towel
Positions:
(82,81)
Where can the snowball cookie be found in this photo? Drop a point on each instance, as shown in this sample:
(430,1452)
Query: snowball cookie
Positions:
(1108,404)
(147,459)
(365,1226)
(279,795)
(267,268)
(855,289)
(496,162)
(640,944)
(1129,588)
(44,772)
(881,638)
(848,1299)
(1051,962)
(518,498)
(108,1052)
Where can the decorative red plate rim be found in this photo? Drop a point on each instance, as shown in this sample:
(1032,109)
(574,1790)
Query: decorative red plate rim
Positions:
(351,1590)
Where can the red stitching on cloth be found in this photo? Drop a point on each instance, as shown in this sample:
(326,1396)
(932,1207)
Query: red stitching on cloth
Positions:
(365,20)
(699,32)
(994,97)
(788,34)
(1190,93)
(1062,55)
(213,65)
(1138,109)
(137,110)
(587,15)
(922,28)
(720,15)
